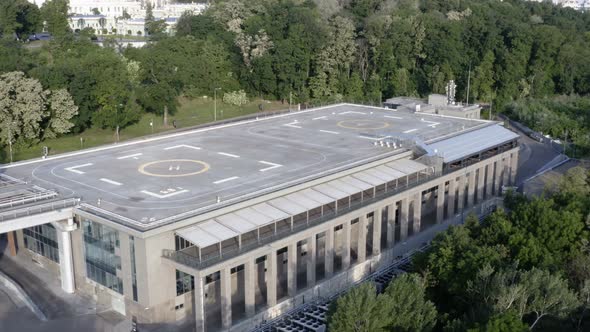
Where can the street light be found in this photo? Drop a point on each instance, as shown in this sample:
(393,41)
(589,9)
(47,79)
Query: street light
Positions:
(215,104)
(118,122)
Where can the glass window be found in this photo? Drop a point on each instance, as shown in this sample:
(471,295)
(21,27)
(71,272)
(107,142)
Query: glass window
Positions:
(102,263)
(184,283)
(133,268)
(42,239)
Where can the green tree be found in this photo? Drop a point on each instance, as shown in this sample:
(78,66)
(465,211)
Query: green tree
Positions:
(504,322)
(55,14)
(19,17)
(410,310)
(360,310)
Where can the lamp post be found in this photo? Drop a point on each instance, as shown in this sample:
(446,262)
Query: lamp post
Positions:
(10,143)
(215,104)
(118,122)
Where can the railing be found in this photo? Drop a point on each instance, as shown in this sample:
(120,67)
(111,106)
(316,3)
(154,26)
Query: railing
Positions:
(186,259)
(36,209)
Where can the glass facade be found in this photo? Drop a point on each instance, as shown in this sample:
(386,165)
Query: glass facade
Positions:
(42,239)
(133,268)
(102,262)
(184,283)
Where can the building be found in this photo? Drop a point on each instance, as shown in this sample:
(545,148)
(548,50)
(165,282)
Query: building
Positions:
(231,224)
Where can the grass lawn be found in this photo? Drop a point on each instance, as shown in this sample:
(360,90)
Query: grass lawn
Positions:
(191,112)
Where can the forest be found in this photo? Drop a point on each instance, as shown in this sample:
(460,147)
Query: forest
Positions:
(525,267)
(527,59)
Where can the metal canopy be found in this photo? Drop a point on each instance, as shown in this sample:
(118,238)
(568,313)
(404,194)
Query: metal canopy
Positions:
(356,183)
(197,236)
(345,187)
(254,217)
(317,196)
(407,166)
(306,202)
(330,191)
(383,176)
(269,210)
(472,142)
(219,231)
(236,223)
(395,174)
(368,178)
(287,206)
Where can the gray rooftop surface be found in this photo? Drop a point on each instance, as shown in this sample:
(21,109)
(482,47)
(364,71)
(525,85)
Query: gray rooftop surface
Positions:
(152,180)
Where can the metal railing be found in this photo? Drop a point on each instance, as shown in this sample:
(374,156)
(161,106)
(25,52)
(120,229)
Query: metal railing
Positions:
(37,209)
(192,261)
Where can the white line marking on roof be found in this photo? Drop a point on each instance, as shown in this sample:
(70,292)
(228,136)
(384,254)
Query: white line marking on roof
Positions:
(320,118)
(228,155)
(226,180)
(393,117)
(352,112)
(73,169)
(432,123)
(131,156)
(182,146)
(330,132)
(374,138)
(111,182)
(292,124)
(164,196)
(409,131)
(272,165)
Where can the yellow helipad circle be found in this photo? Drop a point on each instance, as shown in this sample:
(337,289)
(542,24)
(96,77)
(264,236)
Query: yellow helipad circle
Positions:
(170,164)
(363,124)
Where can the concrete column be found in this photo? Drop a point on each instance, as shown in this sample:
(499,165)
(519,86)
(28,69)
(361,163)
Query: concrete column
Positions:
(271,278)
(461,193)
(292,269)
(470,188)
(403,216)
(249,287)
(417,212)
(489,180)
(225,282)
(506,174)
(440,203)
(362,242)
(12,243)
(66,260)
(513,168)
(480,184)
(329,252)
(346,245)
(199,303)
(451,198)
(311,259)
(390,225)
(377,215)
(497,176)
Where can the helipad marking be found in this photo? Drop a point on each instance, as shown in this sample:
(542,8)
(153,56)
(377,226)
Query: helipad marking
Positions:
(111,182)
(352,112)
(320,118)
(409,131)
(330,132)
(183,146)
(272,165)
(393,117)
(432,123)
(228,155)
(292,124)
(130,156)
(374,138)
(226,180)
(164,196)
(73,169)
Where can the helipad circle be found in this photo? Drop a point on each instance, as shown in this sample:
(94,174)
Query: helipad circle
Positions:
(173,168)
(363,124)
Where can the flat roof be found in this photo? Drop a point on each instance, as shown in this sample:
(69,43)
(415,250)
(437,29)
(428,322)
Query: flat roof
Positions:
(155,181)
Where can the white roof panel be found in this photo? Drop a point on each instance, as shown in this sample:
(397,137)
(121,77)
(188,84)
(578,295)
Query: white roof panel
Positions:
(393,172)
(317,196)
(197,236)
(384,177)
(331,191)
(472,142)
(271,211)
(236,223)
(345,187)
(254,217)
(288,206)
(356,183)
(218,230)
(300,199)
(368,178)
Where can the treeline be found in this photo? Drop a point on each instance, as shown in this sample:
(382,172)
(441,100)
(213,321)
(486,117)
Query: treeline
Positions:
(323,50)
(526,268)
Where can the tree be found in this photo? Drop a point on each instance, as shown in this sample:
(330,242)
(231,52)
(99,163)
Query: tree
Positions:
(28,113)
(20,18)
(236,98)
(410,310)
(504,322)
(55,14)
(153,27)
(360,310)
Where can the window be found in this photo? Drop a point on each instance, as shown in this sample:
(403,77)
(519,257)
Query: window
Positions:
(133,268)
(102,263)
(42,239)
(184,283)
